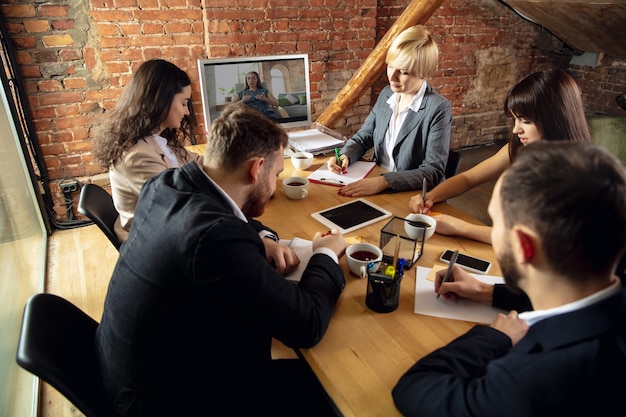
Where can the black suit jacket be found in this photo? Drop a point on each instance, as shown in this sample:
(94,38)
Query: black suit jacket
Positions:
(566,365)
(193,305)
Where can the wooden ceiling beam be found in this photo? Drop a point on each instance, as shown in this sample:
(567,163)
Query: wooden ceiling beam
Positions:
(417,12)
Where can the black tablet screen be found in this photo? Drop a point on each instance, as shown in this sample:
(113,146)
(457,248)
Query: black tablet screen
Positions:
(352,214)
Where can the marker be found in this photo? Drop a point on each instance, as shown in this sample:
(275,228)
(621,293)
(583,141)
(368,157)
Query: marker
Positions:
(450,265)
(343,171)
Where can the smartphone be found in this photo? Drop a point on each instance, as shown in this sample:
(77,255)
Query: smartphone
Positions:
(469,263)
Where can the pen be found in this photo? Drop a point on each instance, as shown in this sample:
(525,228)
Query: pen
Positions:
(331,179)
(326,233)
(339,160)
(395,254)
(424,190)
(450,265)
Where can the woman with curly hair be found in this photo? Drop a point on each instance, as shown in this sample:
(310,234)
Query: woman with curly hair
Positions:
(145,134)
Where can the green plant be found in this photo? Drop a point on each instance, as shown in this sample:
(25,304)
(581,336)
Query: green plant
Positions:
(223,90)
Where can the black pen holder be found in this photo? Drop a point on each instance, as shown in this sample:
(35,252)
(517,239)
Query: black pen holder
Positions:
(383,292)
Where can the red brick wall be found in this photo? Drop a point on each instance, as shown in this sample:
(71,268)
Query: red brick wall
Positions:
(76,57)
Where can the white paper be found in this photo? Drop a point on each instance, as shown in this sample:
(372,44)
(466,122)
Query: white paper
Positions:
(304,250)
(356,171)
(314,141)
(426,301)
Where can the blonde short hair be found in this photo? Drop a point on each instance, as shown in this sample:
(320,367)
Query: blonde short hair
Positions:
(414,50)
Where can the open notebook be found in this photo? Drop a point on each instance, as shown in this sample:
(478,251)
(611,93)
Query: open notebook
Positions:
(356,171)
(303,249)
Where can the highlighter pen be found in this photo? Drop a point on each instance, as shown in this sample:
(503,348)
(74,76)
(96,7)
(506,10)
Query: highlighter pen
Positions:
(343,171)
(450,265)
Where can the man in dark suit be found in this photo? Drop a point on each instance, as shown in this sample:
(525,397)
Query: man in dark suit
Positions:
(559,230)
(193,303)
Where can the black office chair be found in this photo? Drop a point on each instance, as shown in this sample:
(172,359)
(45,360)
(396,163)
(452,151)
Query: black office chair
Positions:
(57,344)
(97,204)
(453,164)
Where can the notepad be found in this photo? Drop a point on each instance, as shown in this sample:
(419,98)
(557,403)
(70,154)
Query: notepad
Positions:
(303,250)
(356,171)
(426,301)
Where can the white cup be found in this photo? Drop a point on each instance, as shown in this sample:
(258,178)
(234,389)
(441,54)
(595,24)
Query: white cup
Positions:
(358,265)
(302,160)
(413,226)
(296,188)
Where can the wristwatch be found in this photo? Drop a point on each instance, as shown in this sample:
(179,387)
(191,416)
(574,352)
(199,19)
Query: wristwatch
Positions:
(269,235)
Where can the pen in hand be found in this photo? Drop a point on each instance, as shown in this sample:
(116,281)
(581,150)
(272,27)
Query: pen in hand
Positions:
(343,171)
(450,265)
(424,191)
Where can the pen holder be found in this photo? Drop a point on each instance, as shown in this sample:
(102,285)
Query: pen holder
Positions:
(395,242)
(383,292)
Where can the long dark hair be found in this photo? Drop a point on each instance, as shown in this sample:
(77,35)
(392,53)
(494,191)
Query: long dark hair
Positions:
(143,106)
(259,85)
(551,99)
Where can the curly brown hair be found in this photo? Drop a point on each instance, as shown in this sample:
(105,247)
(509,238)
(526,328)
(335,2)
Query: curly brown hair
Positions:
(141,109)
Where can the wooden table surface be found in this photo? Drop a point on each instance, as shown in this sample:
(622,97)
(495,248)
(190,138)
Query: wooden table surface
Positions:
(364,353)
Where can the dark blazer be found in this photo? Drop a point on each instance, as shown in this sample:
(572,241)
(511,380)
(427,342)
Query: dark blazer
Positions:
(422,145)
(193,305)
(566,365)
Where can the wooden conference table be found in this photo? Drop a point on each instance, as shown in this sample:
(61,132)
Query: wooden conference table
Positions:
(364,353)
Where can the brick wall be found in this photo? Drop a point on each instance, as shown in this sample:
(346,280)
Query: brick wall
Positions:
(77,56)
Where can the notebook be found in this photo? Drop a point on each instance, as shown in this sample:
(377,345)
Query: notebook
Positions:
(356,171)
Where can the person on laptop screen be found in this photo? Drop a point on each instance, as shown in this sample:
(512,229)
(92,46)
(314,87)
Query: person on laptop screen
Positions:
(256,96)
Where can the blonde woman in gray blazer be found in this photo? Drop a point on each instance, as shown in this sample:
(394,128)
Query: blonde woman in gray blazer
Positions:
(145,134)
(409,126)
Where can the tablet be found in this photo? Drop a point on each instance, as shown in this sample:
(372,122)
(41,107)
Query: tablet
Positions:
(351,216)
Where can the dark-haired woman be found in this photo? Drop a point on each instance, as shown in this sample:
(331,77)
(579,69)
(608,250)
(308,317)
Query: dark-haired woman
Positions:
(545,105)
(145,134)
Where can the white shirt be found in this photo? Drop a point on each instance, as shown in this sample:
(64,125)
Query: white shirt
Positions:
(239,214)
(161,142)
(395,123)
(533,317)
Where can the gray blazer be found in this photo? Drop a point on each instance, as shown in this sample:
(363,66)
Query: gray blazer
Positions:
(422,145)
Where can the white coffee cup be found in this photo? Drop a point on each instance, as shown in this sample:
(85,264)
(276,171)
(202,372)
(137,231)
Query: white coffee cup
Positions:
(296,188)
(358,265)
(412,226)
(302,160)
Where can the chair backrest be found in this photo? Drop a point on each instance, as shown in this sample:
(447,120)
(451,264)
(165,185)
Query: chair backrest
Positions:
(97,204)
(57,344)
(454,161)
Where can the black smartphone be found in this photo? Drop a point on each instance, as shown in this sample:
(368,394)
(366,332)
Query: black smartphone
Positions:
(467,262)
